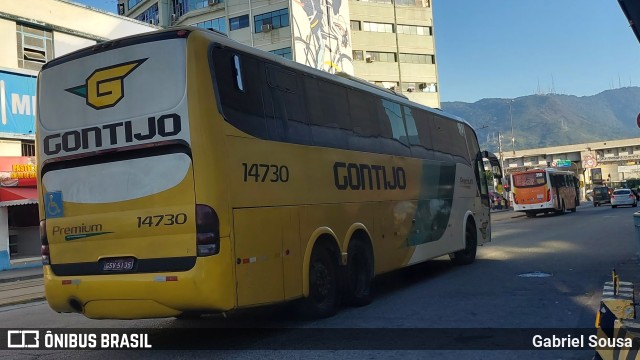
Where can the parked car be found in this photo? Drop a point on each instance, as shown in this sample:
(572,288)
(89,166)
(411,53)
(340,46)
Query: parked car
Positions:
(623,197)
(601,195)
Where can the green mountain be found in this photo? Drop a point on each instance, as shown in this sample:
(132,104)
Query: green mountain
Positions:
(552,119)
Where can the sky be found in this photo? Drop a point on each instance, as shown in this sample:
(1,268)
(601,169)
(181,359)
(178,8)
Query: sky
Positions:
(513,48)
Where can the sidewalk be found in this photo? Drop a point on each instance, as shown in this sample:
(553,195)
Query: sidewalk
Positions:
(21,285)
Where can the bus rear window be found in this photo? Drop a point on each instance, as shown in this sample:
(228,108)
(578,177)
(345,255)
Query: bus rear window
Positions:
(530,179)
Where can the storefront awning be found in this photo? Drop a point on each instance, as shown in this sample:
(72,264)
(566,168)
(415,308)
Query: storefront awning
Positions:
(18,196)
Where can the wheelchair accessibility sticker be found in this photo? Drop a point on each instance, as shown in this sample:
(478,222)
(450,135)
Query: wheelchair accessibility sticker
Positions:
(53,204)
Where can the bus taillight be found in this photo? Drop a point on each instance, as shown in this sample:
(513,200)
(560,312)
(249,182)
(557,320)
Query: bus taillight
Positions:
(44,248)
(548,194)
(208,231)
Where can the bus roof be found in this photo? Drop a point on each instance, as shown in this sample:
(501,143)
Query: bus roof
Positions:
(221,39)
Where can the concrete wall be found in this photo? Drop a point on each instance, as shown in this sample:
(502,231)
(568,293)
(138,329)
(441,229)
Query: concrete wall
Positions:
(81,19)
(4,239)
(65,43)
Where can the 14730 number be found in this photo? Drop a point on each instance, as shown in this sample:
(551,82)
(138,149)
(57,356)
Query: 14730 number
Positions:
(166,219)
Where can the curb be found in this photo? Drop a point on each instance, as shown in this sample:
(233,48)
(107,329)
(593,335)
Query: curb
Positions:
(21,278)
(23,301)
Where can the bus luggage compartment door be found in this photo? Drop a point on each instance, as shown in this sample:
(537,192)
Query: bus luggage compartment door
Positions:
(267,251)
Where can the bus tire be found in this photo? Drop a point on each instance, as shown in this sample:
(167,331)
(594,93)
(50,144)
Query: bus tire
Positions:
(359,273)
(324,293)
(530,214)
(467,255)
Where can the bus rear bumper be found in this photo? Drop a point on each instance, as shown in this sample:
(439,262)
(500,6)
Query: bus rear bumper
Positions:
(207,287)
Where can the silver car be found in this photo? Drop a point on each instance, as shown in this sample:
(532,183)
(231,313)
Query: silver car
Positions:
(623,197)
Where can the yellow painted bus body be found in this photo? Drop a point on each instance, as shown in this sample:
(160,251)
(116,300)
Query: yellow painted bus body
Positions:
(267,226)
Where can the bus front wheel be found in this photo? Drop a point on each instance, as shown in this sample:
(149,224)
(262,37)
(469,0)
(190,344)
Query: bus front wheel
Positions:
(468,254)
(324,295)
(359,274)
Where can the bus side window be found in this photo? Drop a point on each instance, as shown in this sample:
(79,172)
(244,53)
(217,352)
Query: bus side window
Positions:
(392,132)
(412,134)
(284,107)
(366,130)
(328,111)
(423,120)
(237,71)
(241,106)
(441,138)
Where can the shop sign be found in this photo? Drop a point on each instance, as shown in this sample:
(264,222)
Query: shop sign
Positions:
(23,171)
(618,158)
(17,103)
(17,171)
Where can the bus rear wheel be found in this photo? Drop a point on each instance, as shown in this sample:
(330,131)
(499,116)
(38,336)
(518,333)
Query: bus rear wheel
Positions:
(359,275)
(530,214)
(468,254)
(324,295)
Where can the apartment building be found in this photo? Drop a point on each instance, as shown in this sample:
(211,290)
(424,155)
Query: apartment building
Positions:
(386,42)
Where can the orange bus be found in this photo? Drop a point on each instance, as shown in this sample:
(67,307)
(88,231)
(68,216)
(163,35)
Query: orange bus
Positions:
(549,190)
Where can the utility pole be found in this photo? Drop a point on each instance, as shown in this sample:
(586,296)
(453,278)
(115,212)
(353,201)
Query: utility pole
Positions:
(501,157)
(513,139)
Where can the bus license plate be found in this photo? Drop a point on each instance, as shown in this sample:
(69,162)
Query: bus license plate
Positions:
(123,264)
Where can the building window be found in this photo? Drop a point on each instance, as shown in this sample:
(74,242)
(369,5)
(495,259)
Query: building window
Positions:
(419,3)
(285,53)
(355,25)
(150,16)
(428,87)
(271,20)
(391,85)
(35,47)
(373,56)
(417,58)
(379,1)
(239,22)
(28,148)
(377,27)
(358,55)
(132,3)
(218,24)
(181,7)
(414,30)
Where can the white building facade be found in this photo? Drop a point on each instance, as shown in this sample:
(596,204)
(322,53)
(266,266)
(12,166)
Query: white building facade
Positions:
(34,32)
(387,42)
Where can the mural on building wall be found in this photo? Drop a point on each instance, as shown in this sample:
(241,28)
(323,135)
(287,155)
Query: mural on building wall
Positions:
(17,103)
(322,36)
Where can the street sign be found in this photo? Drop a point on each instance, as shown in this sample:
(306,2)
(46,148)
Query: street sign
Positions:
(563,163)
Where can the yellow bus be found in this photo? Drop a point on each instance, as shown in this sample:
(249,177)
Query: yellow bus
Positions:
(544,191)
(181,172)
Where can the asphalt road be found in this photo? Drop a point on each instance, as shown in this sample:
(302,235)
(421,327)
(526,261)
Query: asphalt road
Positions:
(540,273)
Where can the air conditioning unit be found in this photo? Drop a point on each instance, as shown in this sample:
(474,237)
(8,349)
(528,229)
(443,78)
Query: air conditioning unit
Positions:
(267,27)
(370,59)
(411,88)
(214,2)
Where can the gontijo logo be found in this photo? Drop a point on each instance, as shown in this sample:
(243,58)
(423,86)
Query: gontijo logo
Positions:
(105,87)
